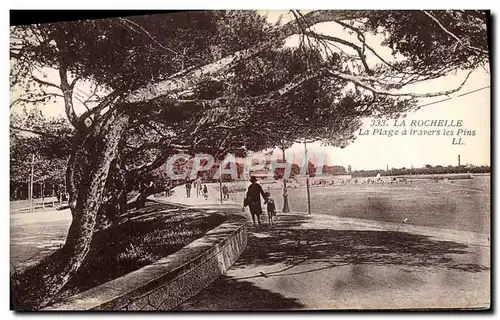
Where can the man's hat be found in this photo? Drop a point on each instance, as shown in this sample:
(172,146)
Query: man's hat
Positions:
(253,179)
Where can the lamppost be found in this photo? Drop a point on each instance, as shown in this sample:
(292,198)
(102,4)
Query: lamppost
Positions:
(220,182)
(31,181)
(286,207)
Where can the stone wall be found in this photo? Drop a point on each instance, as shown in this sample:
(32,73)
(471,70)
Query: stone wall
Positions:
(170,281)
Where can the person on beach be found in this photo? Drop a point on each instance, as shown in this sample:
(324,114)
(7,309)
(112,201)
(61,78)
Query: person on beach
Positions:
(188,188)
(252,199)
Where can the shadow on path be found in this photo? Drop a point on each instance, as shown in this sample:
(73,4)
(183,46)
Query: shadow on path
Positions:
(286,250)
(229,294)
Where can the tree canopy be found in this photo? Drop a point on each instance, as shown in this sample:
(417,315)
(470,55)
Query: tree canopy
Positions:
(47,145)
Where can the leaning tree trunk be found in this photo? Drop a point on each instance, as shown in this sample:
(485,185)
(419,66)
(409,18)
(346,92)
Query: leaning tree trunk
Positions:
(145,192)
(87,174)
(114,204)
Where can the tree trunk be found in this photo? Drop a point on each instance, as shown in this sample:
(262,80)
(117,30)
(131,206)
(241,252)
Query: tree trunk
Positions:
(86,178)
(152,189)
(140,202)
(115,204)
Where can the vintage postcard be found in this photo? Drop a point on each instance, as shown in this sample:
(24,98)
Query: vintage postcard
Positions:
(251,160)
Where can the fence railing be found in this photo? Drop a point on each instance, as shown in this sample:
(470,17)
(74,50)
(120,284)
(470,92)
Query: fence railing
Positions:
(38,203)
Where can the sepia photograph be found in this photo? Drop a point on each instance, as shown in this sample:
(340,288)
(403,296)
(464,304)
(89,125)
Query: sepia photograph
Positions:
(250,160)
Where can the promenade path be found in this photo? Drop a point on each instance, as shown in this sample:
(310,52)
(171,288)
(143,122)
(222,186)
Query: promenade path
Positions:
(316,261)
(198,201)
(33,235)
(36,234)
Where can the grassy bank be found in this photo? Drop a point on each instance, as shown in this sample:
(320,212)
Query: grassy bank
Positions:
(142,237)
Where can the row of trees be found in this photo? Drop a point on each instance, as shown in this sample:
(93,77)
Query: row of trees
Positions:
(217,82)
(425,170)
(334,170)
(39,153)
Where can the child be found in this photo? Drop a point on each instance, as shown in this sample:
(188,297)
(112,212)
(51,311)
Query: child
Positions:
(205,192)
(225,192)
(271,208)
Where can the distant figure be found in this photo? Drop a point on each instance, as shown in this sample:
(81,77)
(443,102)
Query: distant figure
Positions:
(271,208)
(225,192)
(252,199)
(188,188)
(205,192)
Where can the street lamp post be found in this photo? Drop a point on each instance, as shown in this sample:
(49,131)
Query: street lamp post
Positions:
(31,180)
(307,179)
(286,208)
(220,182)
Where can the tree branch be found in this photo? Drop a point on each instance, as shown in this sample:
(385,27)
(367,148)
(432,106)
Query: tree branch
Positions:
(14,55)
(73,83)
(109,99)
(315,17)
(173,84)
(187,79)
(125,21)
(158,162)
(356,80)
(453,35)
(406,77)
(34,100)
(38,132)
(46,83)
(344,42)
(361,37)
(232,102)
(68,95)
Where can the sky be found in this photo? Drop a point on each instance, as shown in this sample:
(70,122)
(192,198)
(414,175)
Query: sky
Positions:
(378,152)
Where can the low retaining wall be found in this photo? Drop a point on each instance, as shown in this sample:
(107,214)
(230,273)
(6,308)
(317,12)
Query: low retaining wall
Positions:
(170,281)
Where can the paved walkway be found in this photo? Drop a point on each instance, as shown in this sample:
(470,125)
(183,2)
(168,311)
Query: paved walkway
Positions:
(318,262)
(213,201)
(36,234)
(324,262)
